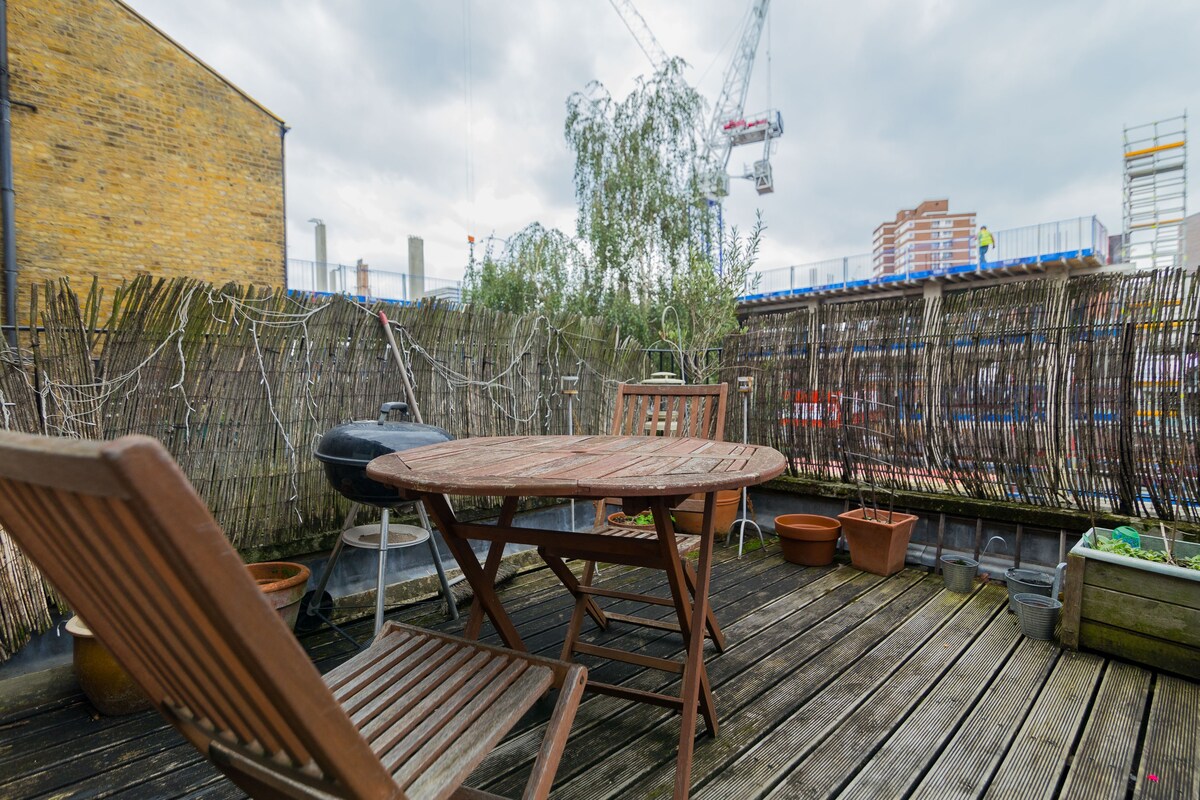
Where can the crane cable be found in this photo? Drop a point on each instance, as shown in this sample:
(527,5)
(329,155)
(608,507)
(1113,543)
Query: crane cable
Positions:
(469,91)
(769,59)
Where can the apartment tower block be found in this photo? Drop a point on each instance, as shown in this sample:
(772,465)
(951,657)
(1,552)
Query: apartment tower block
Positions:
(923,238)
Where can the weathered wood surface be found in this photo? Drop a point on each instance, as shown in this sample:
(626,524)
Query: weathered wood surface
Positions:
(578,466)
(903,690)
(1059,394)
(140,557)
(1133,613)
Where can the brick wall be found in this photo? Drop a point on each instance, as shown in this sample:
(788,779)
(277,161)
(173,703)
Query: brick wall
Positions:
(138,158)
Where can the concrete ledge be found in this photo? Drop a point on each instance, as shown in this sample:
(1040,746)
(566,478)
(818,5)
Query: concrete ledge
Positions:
(1000,511)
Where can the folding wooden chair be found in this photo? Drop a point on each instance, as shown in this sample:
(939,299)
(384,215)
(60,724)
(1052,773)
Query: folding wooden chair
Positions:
(658,410)
(117,528)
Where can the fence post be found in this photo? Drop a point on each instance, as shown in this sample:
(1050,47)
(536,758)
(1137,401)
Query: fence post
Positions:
(1127,490)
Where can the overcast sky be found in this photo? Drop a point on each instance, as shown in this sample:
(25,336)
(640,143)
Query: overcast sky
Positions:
(443,119)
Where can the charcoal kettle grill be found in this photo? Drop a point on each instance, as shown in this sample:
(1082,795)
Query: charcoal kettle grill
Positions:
(345,452)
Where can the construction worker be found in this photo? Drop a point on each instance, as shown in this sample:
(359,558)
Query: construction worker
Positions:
(985,241)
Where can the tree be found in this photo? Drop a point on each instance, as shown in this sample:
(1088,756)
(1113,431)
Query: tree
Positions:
(642,255)
(700,307)
(537,271)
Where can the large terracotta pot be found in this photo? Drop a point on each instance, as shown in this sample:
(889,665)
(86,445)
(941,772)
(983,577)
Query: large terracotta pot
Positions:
(104,682)
(689,515)
(877,545)
(808,539)
(283,583)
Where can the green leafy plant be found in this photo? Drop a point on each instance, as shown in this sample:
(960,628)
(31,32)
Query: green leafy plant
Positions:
(1125,549)
(644,518)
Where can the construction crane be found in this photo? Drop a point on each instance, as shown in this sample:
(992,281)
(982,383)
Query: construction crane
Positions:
(730,126)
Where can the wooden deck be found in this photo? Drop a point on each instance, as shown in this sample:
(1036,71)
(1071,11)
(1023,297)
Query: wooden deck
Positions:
(837,683)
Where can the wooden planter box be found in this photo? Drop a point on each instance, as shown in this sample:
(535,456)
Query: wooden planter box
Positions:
(1134,609)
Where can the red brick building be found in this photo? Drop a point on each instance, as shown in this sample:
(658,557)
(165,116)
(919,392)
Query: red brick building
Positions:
(923,238)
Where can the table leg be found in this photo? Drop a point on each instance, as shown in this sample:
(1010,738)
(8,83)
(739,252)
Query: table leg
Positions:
(485,590)
(508,510)
(696,693)
(559,568)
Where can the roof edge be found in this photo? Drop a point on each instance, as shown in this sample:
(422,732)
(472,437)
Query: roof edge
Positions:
(201,62)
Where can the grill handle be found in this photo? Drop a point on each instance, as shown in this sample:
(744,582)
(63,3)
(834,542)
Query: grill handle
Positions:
(387,408)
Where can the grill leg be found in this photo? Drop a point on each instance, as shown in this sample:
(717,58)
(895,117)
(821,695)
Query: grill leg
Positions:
(380,585)
(315,603)
(451,606)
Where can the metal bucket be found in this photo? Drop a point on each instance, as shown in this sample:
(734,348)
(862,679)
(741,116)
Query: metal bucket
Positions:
(1026,581)
(1038,615)
(958,572)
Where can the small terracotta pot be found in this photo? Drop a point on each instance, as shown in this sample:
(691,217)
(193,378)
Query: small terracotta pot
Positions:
(617,520)
(688,520)
(104,682)
(877,545)
(283,583)
(808,539)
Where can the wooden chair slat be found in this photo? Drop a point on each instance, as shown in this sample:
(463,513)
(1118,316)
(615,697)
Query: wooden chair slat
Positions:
(388,687)
(497,702)
(406,704)
(117,528)
(688,412)
(406,751)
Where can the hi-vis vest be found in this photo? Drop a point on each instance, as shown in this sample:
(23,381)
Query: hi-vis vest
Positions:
(985,238)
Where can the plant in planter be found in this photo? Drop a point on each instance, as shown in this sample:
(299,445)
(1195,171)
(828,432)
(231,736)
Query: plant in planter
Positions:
(958,573)
(878,540)
(641,522)
(1139,601)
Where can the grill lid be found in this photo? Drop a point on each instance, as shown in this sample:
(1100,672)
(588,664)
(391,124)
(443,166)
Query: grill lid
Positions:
(354,444)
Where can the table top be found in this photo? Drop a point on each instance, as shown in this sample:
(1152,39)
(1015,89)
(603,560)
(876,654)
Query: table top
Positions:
(578,466)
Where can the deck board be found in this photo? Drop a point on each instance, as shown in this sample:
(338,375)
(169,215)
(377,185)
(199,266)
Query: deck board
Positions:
(836,684)
(1172,750)
(1104,758)
(900,761)
(1036,762)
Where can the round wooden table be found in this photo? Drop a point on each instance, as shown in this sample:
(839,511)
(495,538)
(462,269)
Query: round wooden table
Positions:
(651,472)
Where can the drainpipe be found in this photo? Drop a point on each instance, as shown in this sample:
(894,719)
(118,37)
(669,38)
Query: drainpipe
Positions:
(7,225)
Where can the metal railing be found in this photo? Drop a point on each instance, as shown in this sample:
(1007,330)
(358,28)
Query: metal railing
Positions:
(368,282)
(1082,237)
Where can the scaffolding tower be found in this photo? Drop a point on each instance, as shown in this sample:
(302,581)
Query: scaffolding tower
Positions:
(1156,193)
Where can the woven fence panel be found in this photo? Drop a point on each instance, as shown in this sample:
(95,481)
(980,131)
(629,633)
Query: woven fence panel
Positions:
(240,384)
(1082,393)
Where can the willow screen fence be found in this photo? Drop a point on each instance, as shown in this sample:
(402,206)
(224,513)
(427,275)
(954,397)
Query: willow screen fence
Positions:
(1080,394)
(240,384)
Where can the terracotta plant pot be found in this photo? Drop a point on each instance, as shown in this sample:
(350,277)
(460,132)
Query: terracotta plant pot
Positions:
(106,684)
(283,583)
(877,545)
(617,520)
(689,516)
(808,539)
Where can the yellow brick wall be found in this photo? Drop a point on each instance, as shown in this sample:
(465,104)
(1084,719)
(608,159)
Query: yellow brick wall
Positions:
(137,158)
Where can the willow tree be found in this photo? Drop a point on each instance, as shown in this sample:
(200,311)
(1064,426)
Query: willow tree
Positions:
(642,215)
(647,241)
